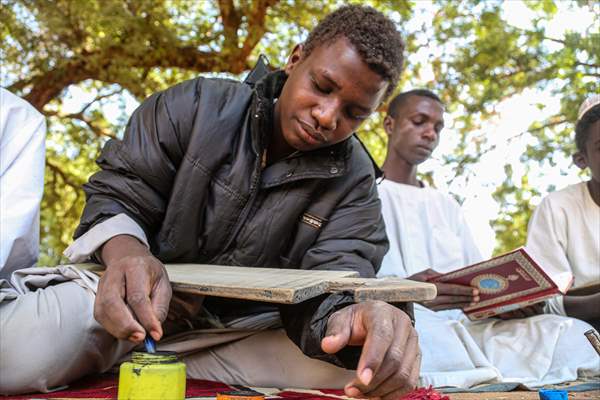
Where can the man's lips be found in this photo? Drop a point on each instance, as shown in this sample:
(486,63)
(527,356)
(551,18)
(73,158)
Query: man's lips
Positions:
(312,132)
(424,147)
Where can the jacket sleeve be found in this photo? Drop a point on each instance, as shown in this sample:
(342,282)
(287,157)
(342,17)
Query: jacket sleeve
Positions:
(353,239)
(137,173)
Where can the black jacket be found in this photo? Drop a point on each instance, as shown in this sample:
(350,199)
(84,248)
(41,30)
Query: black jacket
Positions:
(189,172)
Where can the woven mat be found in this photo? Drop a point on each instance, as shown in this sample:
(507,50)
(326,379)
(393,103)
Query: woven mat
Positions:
(105,387)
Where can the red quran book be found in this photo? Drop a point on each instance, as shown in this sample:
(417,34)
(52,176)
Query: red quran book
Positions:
(507,282)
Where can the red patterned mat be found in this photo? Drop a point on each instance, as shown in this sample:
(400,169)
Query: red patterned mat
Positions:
(105,387)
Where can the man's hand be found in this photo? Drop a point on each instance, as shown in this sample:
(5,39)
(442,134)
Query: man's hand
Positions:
(529,311)
(449,295)
(134,292)
(390,360)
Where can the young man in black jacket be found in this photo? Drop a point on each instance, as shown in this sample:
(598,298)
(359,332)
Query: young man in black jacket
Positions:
(219,172)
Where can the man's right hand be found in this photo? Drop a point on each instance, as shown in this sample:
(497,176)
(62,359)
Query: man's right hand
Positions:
(134,293)
(449,295)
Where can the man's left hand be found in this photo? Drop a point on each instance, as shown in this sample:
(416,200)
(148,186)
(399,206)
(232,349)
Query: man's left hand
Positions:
(390,360)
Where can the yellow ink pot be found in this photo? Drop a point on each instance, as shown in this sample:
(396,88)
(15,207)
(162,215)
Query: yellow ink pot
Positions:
(152,376)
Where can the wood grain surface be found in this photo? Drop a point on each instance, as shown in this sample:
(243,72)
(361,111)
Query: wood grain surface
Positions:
(288,286)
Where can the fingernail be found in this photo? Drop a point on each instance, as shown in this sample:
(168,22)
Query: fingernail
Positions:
(351,391)
(366,375)
(475,292)
(155,335)
(137,337)
(476,299)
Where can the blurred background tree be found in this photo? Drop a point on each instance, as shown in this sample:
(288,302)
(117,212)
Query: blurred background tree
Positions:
(85,64)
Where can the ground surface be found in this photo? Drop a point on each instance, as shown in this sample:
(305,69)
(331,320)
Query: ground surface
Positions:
(595,394)
(520,395)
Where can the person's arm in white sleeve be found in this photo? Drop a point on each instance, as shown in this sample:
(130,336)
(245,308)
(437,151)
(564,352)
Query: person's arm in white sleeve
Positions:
(471,252)
(90,242)
(22,155)
(547,244)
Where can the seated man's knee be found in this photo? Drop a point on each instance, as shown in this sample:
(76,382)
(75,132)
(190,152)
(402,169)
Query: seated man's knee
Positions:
(44,338)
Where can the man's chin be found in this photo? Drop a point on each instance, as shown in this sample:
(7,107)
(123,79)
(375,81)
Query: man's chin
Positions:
(298,144)
(420,160)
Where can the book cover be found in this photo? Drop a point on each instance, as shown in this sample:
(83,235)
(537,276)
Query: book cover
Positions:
(507,282)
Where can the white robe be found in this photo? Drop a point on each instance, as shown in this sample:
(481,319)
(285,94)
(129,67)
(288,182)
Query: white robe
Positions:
(22,134)
(564,236)
(427,229)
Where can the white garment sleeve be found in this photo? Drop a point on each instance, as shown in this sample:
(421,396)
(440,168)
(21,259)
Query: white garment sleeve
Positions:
(22,154)
(87,244)
(547,244)
(471,252)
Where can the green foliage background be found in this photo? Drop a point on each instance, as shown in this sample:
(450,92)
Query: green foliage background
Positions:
(115,50)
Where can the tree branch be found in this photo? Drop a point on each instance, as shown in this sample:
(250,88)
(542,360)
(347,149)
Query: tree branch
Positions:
(465,160)
(48,85)
(57,170)
(587,64)
(231,23)
(99,132)
(98,98)
(555,40)
(256,23)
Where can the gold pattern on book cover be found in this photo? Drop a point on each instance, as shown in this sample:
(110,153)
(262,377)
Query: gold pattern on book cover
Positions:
(524,263)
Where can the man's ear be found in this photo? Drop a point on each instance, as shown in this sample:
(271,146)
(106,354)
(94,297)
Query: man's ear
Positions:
(388,125)
(294,58)
(580,160)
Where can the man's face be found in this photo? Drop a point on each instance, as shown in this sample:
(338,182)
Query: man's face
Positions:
(591,157)
(327,95)
(415,131)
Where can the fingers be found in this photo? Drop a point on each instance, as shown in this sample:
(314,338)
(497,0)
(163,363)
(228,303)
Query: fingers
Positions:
(456,290)
(339,330)
(413,382)
(138,298)
(390,354)
(424,276)
(440,307)
(397,369)
(111,311)
(133,298)
(451,296)
(161,298)
(379,321)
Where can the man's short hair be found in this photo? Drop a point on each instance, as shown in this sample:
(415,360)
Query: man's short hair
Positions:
(373,35)
(398,101)
(582,129)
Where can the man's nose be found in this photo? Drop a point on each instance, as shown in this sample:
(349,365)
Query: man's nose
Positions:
(326,116)
(430,133)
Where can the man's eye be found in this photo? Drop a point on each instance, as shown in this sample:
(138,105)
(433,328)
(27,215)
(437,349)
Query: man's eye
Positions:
(418,121)
(320,89)
(357,117)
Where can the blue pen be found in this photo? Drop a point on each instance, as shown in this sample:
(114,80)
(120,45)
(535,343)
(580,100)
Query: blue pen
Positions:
(150,345)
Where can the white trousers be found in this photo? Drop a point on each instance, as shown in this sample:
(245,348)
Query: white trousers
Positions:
(49,338)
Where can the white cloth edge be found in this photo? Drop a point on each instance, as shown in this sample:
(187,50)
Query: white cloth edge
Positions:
(86,245)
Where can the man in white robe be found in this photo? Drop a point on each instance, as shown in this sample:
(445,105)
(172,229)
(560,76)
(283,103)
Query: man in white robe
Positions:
(428,236)
(564,231)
